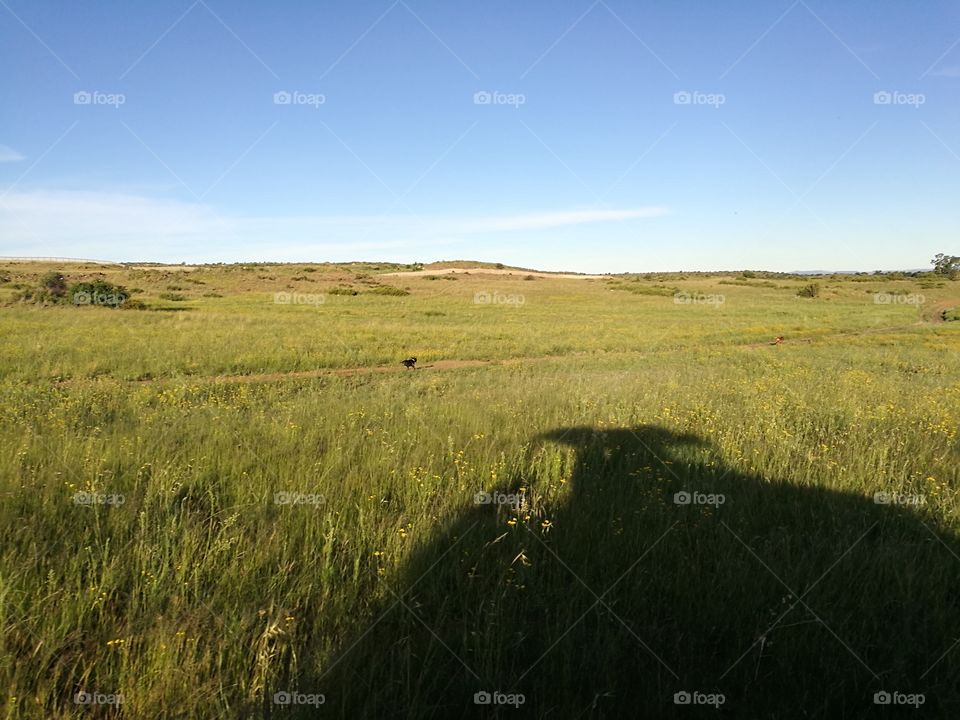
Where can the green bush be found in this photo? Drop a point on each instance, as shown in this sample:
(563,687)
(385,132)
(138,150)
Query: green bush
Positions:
(98,292)
(342,290)
(51,290)
(387,290)
(54,283)
(809,291)
(661,290)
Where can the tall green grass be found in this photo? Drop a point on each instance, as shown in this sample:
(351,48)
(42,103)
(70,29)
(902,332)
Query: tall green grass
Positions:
(385,588)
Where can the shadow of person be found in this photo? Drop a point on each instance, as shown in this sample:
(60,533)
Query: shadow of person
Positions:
(648,577)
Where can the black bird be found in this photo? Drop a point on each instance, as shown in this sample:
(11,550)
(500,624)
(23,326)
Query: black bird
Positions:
(411,363)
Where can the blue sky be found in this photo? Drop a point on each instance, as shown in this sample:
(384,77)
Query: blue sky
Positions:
(591,136)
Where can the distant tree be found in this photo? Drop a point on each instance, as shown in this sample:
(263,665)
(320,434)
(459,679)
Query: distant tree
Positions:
(810,291)
(948,265)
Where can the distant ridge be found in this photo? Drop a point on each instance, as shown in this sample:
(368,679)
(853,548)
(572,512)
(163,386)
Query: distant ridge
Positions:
(56,260)
(854,272)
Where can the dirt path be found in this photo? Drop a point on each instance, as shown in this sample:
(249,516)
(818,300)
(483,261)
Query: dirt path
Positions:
(936,312)
(934,315)
(347,372)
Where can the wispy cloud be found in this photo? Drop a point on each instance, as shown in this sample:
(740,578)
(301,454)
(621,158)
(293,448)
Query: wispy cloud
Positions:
(8,154)
(125,226)
(537,221)
(951,72)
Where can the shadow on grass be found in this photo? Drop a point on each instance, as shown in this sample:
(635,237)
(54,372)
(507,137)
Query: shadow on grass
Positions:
(780,600)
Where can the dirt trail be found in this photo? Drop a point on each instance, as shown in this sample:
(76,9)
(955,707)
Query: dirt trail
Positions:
(934,315)
(347,372)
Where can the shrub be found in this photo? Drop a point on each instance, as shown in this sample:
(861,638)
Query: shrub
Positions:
(176,297)
(98,292)
(54,283)
(342,290)
(387,290)
(809,291)
(51,290)
(661,290)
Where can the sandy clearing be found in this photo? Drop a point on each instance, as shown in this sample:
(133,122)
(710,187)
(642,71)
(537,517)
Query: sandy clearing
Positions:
(492,271)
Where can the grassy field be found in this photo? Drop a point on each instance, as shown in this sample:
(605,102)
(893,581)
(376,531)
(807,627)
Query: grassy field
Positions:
(604,498)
